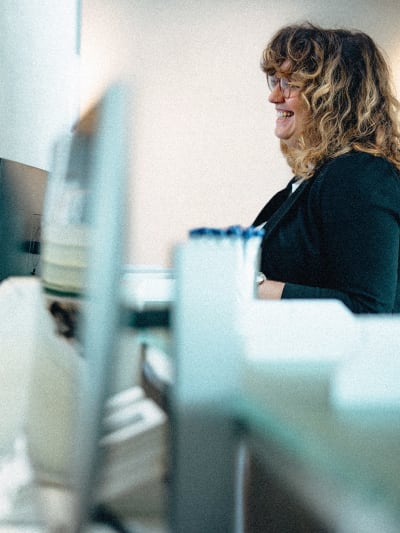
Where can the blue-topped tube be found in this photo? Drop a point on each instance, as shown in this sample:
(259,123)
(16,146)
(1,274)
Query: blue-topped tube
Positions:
(252,238)
(245,244)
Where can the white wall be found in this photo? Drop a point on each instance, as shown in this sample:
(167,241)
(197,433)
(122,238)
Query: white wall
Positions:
(203,151)
(38,85)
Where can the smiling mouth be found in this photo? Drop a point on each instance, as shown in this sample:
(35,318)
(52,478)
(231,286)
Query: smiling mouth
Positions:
(285,114)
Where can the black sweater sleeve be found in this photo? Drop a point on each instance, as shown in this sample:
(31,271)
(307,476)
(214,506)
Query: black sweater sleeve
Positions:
(359,217)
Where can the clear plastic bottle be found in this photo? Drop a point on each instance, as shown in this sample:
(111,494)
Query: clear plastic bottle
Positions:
(65,226)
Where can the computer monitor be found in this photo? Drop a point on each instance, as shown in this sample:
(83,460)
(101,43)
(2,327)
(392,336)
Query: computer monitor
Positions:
(22,190)
(101,304)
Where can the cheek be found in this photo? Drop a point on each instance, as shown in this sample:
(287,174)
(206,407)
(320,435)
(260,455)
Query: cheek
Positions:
(302,117)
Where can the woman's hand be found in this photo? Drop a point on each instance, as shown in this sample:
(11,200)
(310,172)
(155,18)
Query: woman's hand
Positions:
(270,290)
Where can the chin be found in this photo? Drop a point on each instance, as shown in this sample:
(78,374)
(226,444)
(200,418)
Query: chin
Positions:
(290,144)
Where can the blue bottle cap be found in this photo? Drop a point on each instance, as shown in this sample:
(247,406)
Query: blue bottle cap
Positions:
(236,230)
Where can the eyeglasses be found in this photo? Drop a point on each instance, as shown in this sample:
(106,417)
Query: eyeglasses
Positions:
(287,88)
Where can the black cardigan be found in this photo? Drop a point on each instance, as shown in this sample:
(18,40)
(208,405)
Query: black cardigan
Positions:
(337,236)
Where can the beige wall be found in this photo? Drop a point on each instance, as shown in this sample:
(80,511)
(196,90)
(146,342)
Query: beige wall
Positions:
(203,151)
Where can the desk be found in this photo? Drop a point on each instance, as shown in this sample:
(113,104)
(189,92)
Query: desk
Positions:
(343,467)
(328,470)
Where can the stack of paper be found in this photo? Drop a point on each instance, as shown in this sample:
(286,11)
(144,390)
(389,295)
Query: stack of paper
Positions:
(134,447)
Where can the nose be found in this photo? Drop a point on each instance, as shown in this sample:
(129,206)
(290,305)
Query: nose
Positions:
(276,96)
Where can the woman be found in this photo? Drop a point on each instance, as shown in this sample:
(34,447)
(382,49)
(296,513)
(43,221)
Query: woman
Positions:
(334,232)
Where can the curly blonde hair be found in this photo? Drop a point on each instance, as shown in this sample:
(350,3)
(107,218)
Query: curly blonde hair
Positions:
(346,85)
